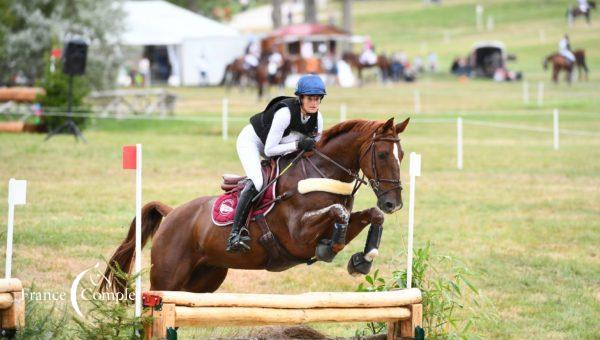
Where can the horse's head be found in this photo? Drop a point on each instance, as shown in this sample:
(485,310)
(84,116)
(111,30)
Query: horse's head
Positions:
(380,162)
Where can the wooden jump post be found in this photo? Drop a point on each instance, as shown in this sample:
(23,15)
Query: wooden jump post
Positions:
(401,309)
(12,306)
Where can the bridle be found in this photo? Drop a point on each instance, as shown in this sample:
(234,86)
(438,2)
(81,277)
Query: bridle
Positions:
(376,181)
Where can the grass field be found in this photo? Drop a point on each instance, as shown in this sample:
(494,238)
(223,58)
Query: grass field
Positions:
(522,215)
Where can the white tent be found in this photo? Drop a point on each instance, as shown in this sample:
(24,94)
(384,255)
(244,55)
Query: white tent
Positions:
(193,42)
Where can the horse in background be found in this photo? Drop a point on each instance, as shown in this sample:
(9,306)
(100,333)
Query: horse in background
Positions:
(574,11)
(383,63)
(560,63)
(265,79)
(238,74)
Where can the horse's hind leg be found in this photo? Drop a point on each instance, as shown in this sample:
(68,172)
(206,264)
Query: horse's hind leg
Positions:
(205,279)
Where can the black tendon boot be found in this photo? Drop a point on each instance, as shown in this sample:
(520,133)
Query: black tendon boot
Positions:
(360,263)
(240,237)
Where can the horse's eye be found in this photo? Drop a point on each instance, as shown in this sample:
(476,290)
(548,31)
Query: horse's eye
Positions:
(382,155)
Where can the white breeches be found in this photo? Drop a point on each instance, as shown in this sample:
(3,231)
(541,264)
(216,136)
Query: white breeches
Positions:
(568,54)
(249,149)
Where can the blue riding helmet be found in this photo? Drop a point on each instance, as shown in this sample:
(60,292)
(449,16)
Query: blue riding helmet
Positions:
(310,84)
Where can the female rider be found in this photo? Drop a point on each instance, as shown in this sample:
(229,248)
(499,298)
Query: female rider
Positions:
(288,124)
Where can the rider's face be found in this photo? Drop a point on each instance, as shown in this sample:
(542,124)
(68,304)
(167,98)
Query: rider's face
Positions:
(310,104)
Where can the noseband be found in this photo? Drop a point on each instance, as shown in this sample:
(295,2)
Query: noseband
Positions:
(376,181)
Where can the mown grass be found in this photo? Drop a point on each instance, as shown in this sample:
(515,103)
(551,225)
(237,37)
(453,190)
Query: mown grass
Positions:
(521,214)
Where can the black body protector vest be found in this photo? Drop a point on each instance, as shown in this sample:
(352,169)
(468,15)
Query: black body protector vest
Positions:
(261,122)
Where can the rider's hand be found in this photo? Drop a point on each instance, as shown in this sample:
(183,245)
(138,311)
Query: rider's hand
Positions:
(306,144)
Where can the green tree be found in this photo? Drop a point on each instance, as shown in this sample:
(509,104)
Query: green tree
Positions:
(29,29)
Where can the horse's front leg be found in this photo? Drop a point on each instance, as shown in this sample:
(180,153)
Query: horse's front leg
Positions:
(314,222)
(360,263)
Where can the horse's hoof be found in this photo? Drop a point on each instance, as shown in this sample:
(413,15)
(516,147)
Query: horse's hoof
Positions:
(357,265)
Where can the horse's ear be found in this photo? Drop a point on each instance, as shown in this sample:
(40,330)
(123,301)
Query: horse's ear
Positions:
(388,125)
(401,126)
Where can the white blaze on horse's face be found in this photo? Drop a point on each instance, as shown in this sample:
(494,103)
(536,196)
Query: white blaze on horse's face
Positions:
(396,153)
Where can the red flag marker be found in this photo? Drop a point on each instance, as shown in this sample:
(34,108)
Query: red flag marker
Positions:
(129,157)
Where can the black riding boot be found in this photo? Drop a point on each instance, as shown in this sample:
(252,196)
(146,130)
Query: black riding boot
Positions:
(239,237)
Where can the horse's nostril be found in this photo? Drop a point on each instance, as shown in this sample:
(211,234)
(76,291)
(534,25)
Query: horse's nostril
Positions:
(389,205)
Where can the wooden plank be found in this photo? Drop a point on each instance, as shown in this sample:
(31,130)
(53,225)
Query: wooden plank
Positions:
(307,300)
(162,319)
(14,317)
(246,316)
(6,300)
(407,327)
(10,285)
(392,329)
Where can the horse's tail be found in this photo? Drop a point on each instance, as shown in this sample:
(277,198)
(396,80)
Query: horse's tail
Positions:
(152,214)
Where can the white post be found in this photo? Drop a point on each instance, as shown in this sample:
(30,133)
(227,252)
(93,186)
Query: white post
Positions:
(9,238)
(415,170)
(17,192)
(224,118)
(525,92)
(490,23)
(540,94)
(417,101)
(343,111)
(479,17)
(556,132)
(138,230)
(459,143)
(446,37)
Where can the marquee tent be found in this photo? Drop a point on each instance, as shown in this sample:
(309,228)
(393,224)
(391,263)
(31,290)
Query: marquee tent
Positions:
(193,43)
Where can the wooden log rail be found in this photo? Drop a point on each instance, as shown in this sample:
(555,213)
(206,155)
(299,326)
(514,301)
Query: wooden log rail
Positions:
(401,309)
(12,306)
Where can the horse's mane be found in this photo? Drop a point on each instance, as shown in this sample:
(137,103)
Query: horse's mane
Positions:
(354,125)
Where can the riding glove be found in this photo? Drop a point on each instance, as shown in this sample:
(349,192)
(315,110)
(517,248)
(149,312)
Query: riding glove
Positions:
(306,144)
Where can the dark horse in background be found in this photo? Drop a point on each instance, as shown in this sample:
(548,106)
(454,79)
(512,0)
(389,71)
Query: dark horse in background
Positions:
(383,64)
(574,11)
(188,250)
(238,74)
(264,80)
(560,63)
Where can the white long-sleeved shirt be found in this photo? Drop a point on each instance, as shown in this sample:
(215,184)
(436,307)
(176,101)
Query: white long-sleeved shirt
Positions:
(276,144)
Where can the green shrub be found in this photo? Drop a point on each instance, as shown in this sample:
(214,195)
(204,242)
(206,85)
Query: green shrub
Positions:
(104,319)
(447,291)
(56,85)
(43,322)
(111,319)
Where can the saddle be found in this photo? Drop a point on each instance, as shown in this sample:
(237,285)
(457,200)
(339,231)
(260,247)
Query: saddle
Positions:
(223,209)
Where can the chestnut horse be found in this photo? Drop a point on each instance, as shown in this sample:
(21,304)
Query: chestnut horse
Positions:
(188,250)
(382,63)
(560,63)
